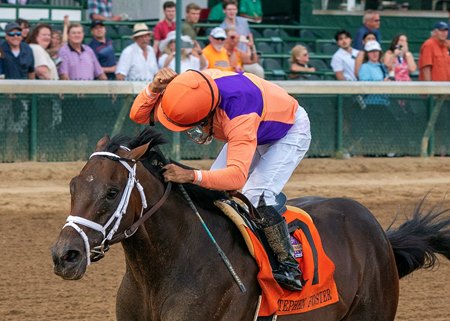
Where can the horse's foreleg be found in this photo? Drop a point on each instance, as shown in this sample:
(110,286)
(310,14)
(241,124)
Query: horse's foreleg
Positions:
(129,302)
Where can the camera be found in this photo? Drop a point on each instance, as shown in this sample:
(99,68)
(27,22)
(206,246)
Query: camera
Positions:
(399,47)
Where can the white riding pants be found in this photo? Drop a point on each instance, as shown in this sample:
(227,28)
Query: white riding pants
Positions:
(274,163)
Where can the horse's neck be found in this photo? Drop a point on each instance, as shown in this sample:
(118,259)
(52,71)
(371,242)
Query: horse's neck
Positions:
(160,242)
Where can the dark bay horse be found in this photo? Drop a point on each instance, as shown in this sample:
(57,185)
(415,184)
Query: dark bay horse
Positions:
(173,272)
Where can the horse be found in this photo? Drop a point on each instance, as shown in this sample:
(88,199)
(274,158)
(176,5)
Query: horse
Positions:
(173,272)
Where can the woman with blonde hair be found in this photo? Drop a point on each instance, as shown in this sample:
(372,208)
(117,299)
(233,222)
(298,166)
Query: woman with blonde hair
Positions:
(299,62)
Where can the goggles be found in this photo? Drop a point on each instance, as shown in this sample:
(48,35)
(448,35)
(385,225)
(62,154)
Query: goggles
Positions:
(198,135)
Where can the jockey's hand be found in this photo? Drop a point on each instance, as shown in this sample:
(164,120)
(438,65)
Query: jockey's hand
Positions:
(162,79)
(177,174)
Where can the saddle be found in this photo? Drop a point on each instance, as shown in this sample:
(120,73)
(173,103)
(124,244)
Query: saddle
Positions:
(319,289)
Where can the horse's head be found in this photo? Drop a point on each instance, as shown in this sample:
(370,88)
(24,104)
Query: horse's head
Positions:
(106,199)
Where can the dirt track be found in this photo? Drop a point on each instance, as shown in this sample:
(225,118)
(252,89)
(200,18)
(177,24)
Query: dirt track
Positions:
(34,202)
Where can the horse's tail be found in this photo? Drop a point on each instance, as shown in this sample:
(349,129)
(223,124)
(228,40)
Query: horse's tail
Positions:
(417,241)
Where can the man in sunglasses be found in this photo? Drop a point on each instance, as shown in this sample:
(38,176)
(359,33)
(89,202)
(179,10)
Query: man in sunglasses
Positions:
(215,53)
(17,56)
(266,131)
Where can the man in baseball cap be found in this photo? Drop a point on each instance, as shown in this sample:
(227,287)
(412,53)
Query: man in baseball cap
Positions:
(266,131)
(215,53)
(103,48)
(434,61)
(16,57)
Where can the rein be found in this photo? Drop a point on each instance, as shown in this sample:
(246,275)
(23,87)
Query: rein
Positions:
(98,252)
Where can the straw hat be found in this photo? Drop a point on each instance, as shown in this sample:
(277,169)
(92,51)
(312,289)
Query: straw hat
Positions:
(140,29)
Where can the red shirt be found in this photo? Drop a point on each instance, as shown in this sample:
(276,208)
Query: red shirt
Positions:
(435,54)
(162,28)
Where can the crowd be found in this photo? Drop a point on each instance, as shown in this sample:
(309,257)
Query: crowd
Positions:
(366,61)
(50,54)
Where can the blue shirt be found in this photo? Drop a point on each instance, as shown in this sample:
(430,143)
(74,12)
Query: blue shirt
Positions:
(360,34)
(105,54)
(370,71)
(16,67)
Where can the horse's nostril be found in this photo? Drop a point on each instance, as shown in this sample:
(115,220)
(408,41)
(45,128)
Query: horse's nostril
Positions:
(71,256)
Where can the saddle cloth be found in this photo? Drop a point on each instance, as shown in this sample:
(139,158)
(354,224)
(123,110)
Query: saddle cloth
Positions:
(319,289)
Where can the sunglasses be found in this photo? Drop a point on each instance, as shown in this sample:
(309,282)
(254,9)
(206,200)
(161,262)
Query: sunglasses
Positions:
(12,33)
(220,39)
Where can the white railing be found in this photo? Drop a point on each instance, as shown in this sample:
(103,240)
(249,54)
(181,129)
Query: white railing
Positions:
(293,87)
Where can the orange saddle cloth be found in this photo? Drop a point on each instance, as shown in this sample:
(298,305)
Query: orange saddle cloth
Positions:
(318,291)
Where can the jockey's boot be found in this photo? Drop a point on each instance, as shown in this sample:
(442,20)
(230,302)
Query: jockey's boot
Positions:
(288,275)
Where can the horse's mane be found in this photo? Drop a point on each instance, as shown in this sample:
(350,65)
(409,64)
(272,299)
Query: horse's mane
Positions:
(154,160)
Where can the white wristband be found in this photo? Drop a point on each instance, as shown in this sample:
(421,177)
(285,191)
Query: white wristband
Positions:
(198,173)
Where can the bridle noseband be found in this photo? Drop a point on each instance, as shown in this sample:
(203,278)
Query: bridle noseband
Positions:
(98,252)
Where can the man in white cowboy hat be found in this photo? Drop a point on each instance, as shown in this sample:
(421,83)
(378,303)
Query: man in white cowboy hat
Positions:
(138,61)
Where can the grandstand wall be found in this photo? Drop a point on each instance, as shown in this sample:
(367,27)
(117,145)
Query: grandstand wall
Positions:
(62,121)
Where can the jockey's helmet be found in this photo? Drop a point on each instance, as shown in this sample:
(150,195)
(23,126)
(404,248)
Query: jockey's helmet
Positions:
(188,101)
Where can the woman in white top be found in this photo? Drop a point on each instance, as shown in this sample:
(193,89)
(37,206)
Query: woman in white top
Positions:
(191,58)
(39,41)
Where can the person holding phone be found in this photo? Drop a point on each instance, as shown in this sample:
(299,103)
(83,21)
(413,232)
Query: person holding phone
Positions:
(399,60)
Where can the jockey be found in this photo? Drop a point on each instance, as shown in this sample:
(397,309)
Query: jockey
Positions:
(266,132)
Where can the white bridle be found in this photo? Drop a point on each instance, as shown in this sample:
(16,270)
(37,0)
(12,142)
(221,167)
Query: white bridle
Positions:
(74,221)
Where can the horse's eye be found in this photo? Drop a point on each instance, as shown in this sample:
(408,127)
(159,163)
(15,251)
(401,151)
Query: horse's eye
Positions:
(111,194)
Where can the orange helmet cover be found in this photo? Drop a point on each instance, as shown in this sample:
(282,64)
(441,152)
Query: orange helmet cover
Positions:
(187,100)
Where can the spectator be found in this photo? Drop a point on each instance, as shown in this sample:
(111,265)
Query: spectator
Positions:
(251,10)
(369,36)
(166,25)
(399,60)
(138,61)
(189,60)
(101,10)
(78,61)
(215,52)
(103,48)
(372,69)
(17,56)
(192,16)
(434,61)
(58,40)
(230,8)
(39,41)
(299,62)
(343,61)
(242,61)
(25,26)
(371,22)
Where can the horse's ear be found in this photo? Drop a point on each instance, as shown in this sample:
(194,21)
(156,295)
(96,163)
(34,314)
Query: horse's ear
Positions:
(138,152)
(101,144)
